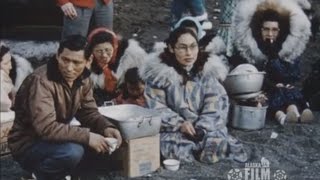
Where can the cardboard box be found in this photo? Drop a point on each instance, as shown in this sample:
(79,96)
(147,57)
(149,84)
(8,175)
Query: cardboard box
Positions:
(5,126)
(140,156)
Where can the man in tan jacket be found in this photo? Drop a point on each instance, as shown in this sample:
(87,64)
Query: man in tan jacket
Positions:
(41,139)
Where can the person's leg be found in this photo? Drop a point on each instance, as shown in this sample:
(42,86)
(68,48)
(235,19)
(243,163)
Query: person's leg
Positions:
(79,25)
(103,14)
(292,113)
(51,161)
(306,116)
(178,7)
(198,10)
(197,7)
(280,116)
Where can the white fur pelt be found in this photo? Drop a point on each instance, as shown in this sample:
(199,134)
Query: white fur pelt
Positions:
(24,68)
(164,75)
(216,46)
(304,4)
(33,49)
(133,56)
(292,47)
(216,60)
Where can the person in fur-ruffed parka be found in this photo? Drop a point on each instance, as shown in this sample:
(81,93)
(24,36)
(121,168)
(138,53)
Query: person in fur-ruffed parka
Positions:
(182,85)
(208,42)
(112,57)
(14,69)
(272,34)
(293,35)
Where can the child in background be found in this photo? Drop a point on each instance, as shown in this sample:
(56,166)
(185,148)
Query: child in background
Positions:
(132,89)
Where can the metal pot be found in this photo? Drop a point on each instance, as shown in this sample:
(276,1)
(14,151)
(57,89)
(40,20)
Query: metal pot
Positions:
(248,118)
(244,83)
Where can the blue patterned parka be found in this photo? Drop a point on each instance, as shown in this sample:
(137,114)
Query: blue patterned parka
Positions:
(202,100)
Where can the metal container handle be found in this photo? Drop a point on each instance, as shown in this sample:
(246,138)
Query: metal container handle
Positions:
(146,118)
(108,103)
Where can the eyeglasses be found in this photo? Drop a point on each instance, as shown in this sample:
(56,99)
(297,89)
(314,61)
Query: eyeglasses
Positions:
(100,52)
(184,48)
(273,30)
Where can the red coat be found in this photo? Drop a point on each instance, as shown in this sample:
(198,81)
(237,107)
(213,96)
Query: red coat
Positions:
(81,3)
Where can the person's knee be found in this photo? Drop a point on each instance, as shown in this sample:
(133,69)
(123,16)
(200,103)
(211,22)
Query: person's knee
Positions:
(73,154)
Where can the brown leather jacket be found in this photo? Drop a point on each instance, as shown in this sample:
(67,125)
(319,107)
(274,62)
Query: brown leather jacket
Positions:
(45,104)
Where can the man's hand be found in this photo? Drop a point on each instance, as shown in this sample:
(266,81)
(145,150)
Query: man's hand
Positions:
(188,128)
(115,133)
(98,143)
(69,10)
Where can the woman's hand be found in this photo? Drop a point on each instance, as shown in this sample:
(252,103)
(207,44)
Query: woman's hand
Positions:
(98,143)
(115,133)
(188,128)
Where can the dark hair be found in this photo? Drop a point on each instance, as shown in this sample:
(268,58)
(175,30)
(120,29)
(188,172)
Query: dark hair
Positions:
(13,72)
(270,15)
(189,24)
(100,37)
(170,59)
(3,50)
(74,43)
(131,77)
(175,34)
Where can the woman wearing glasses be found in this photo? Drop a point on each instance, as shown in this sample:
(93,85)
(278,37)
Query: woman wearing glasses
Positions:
(181,83)
(277,36)
(111,58)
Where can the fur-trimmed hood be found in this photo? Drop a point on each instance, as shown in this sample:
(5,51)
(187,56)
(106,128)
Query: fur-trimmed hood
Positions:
(162,75)
(134,56)
(293,45)
(200,30)
(215,47)
(23,69)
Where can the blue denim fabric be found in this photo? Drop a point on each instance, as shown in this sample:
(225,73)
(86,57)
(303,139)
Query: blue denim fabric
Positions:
(51,161)
(102,17)
(178,7)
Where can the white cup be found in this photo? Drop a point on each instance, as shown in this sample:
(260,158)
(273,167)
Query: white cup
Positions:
(112,143)
(171,164)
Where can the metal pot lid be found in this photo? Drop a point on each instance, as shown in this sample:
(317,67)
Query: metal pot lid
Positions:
(247,95)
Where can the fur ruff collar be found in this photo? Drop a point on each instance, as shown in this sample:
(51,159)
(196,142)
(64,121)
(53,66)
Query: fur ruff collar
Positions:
(294,44)
(161,75)
(215,47)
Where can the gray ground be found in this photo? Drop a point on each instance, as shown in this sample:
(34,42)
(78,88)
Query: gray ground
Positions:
(296,150)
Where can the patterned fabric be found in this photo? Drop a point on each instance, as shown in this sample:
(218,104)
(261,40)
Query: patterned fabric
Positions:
(202,101)
(227,7)
(279,71)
